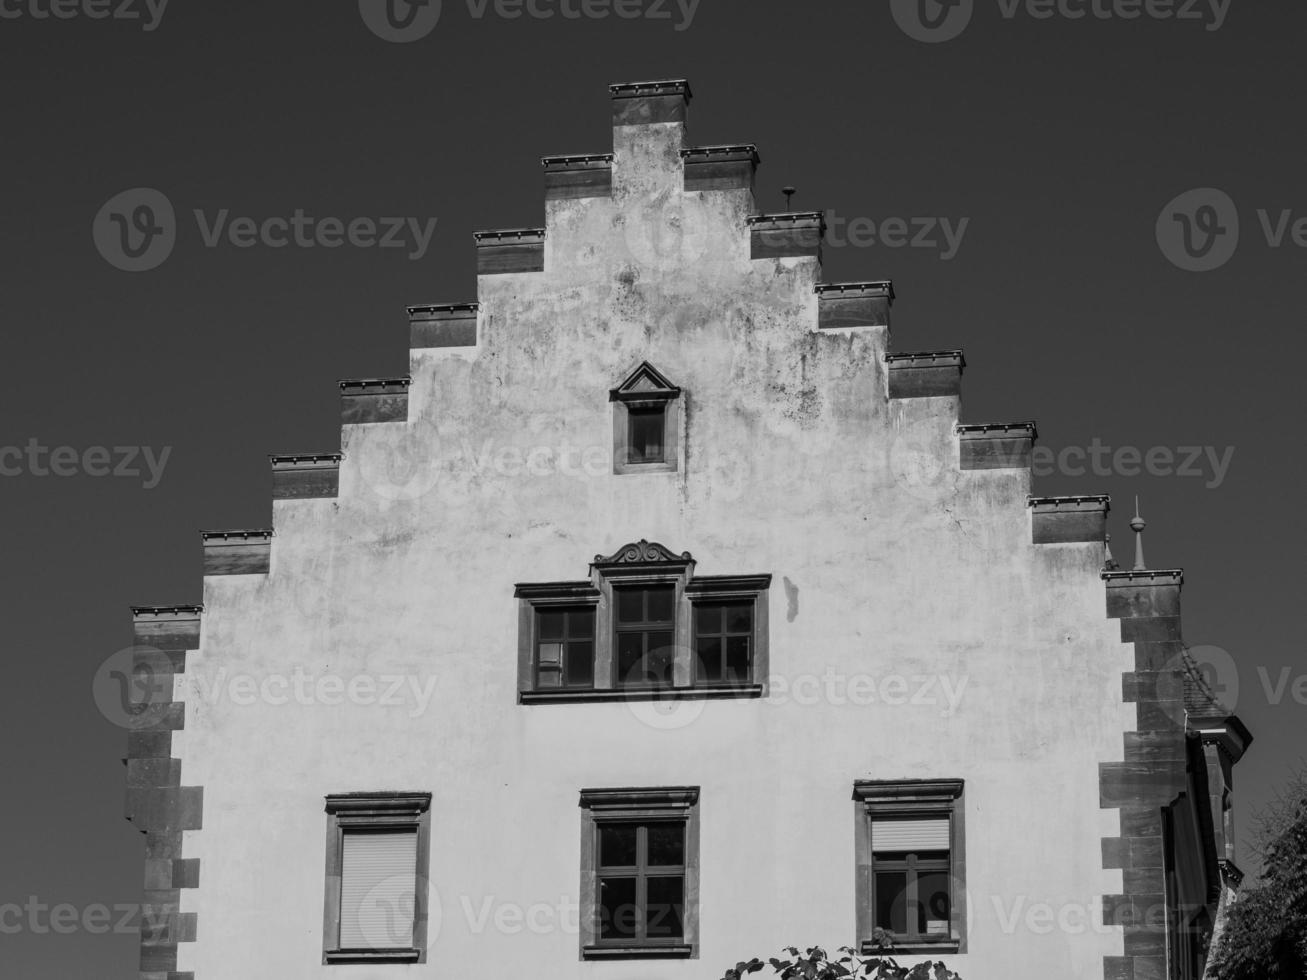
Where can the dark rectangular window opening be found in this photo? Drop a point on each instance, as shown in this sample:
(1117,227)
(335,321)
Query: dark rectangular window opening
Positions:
(565,648)
(645,636)
(723,642)
(912,895)
(641,883)
(645,434)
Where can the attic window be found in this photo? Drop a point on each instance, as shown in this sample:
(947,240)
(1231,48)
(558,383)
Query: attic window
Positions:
(646,423)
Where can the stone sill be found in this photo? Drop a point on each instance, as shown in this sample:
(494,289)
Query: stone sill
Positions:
(943,947)
(372,956)
(600,695)
(667,951)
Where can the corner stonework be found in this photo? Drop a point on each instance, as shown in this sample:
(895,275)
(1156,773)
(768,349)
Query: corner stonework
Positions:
(158,804)
(1153,772)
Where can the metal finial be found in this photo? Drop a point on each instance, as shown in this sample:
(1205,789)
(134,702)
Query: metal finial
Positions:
(789,193)
(1137,524)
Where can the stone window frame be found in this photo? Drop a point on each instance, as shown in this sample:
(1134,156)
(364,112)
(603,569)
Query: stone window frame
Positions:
(646,387)
(880,798)
(639,564)
(375,811)
(638,804)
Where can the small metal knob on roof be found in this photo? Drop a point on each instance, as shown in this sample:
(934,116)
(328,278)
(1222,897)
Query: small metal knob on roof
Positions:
(789,193)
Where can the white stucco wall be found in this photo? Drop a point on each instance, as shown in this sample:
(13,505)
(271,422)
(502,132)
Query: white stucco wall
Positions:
(887,562)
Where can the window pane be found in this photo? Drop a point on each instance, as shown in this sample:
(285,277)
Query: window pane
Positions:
(737,658)
(666,843)
(581,663)
(666,897)
(891,901)
(551,654)
(739,619)
(630,606)
(659,660)
(551,625)
(618,913)
(581,624)
(707,619)
(710,658)
(660,604)
(550,677)
(617,845)
(630,658)
(933,907)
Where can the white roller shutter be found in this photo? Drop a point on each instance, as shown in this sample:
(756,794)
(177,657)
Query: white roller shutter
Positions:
(909,835)
(377,891)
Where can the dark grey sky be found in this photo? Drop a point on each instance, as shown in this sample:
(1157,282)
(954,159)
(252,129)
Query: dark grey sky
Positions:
(1060,140)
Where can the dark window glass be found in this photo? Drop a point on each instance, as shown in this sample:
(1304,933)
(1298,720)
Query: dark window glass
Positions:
(933,904)
(892,901)
(565,647)
(663,911)
(641,882)
(619,912)
(645,434)
(666,843)
(617,845)
(645,639)
(723,642)
(913,893)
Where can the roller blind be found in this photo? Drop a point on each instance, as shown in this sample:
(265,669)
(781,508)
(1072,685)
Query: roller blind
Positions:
(909,835)
(377,890)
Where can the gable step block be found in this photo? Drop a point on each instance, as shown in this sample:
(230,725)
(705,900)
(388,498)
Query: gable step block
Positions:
(237,552)
(1004,445)
(369,400)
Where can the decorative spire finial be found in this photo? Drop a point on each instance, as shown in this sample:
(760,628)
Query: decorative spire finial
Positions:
(1137,524)
(788,191)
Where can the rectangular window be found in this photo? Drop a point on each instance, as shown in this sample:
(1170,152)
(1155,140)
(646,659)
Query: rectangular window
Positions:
(644,636)
(639,874)
(377,854)
(911,865)
(565,650)
(723,642)
(645,440)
